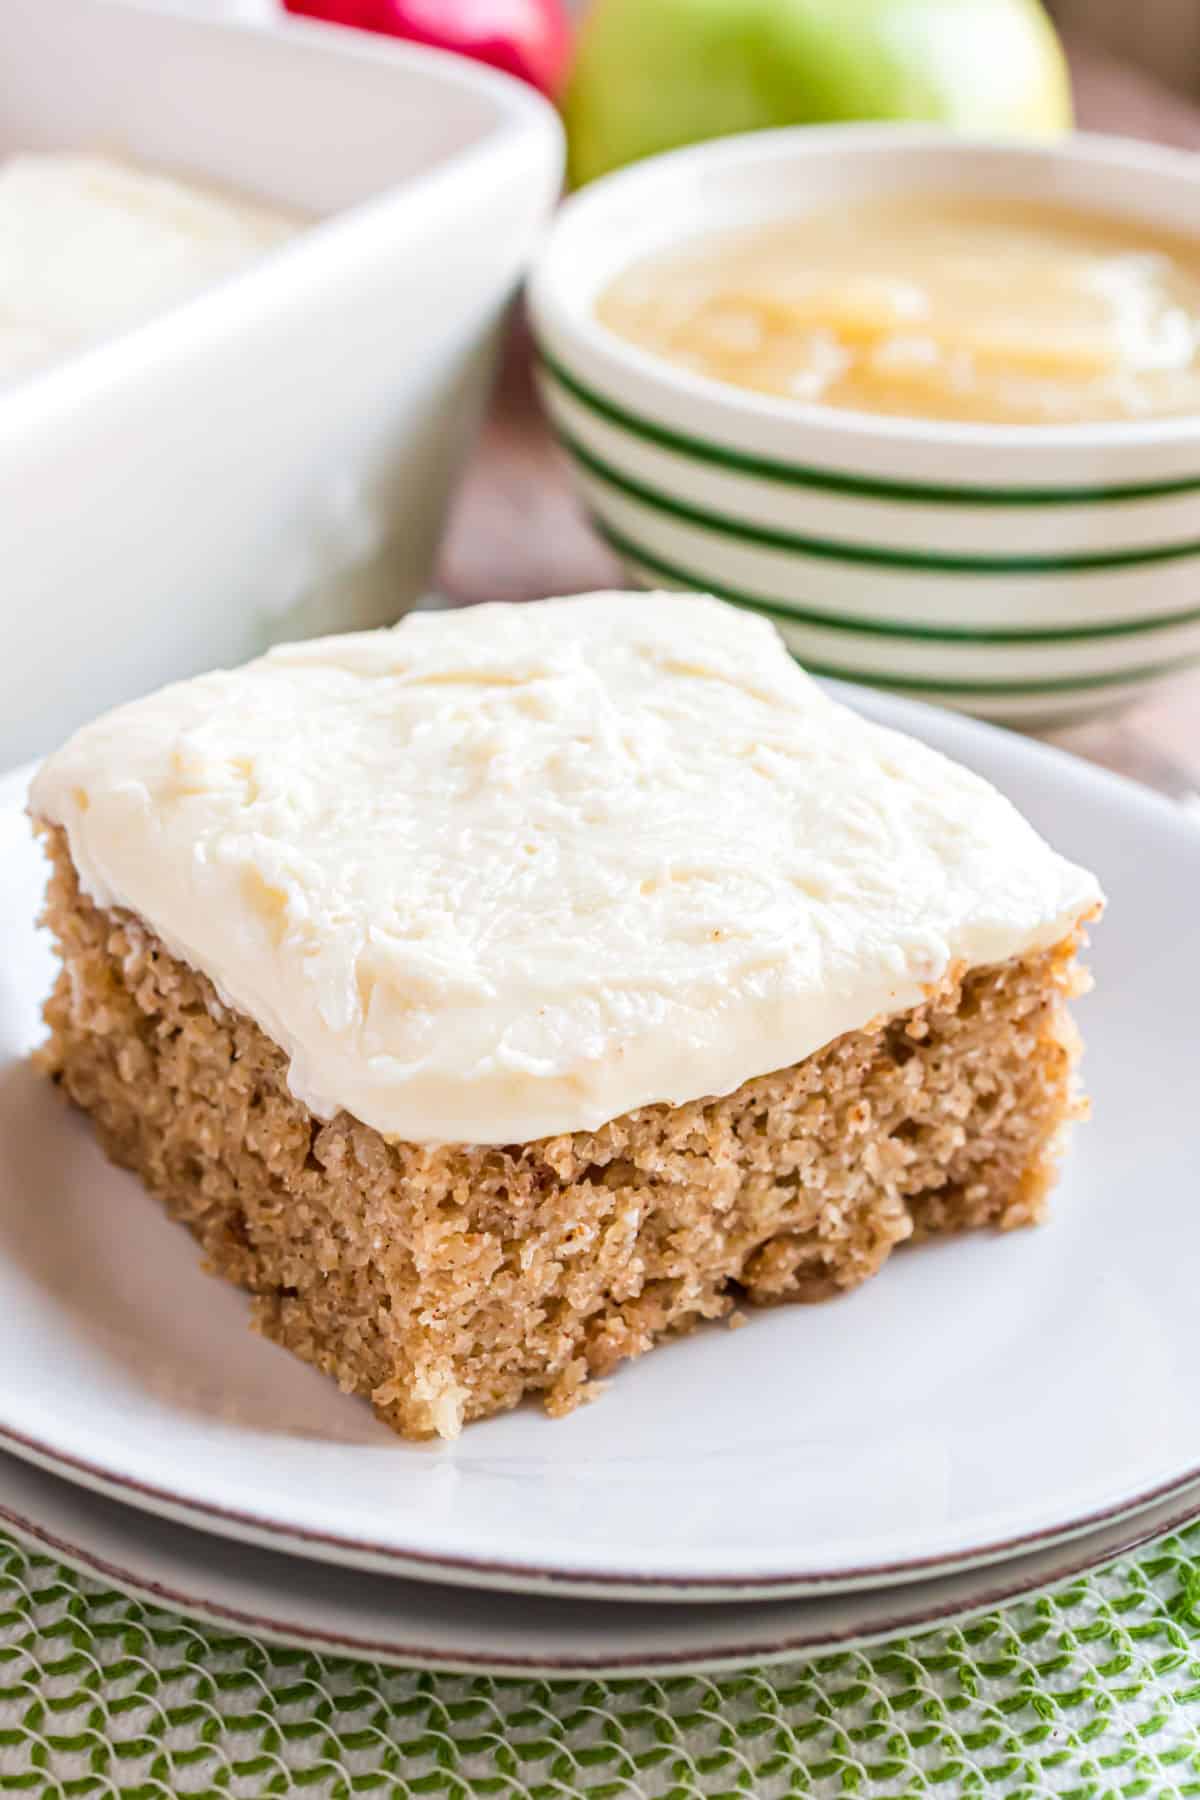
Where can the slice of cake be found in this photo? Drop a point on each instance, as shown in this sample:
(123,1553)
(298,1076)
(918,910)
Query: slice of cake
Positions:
(494,995)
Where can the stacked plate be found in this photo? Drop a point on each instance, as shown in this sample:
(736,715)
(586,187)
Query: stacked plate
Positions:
(990,1416)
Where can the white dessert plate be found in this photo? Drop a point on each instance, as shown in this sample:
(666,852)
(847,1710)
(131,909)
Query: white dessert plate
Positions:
(345,1612)
(981,1398)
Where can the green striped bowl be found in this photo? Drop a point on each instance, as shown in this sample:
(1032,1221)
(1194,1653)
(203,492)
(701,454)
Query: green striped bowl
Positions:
(1024,573)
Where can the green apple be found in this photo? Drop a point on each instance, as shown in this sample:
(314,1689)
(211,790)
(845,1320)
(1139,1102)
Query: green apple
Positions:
(651,74)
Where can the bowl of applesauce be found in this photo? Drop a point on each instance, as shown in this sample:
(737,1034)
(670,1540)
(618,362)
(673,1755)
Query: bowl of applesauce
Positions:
(930,402)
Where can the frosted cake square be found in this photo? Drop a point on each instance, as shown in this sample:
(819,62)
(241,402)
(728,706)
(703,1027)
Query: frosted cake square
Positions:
(495,995)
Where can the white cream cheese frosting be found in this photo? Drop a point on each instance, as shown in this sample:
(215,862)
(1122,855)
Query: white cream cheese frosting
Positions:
(90,246)
(508,872)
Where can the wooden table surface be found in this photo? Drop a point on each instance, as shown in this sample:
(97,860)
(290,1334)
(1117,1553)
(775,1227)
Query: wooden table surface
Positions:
(516,532)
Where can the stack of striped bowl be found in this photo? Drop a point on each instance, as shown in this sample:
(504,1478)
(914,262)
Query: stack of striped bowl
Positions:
(1029,574)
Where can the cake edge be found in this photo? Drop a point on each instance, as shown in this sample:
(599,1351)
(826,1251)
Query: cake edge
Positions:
(776,1276)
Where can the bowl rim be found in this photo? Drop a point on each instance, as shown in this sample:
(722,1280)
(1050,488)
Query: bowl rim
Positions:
(719,411)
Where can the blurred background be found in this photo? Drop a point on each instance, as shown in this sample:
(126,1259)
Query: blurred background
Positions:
(633,77)
(1159,36)
(644,74)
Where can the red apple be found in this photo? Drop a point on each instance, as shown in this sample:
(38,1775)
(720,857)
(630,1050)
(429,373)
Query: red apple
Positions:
(336,12)
(528,38)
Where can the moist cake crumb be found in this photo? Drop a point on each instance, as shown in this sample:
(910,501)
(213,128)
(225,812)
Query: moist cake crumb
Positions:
(442,1282)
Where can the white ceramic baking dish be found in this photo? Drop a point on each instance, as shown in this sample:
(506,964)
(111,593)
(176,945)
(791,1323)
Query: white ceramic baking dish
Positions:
(273,458)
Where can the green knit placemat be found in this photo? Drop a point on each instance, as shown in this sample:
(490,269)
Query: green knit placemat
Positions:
(1092,1691)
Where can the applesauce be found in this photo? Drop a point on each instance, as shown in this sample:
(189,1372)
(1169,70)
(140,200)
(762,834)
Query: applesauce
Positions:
(933,307)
